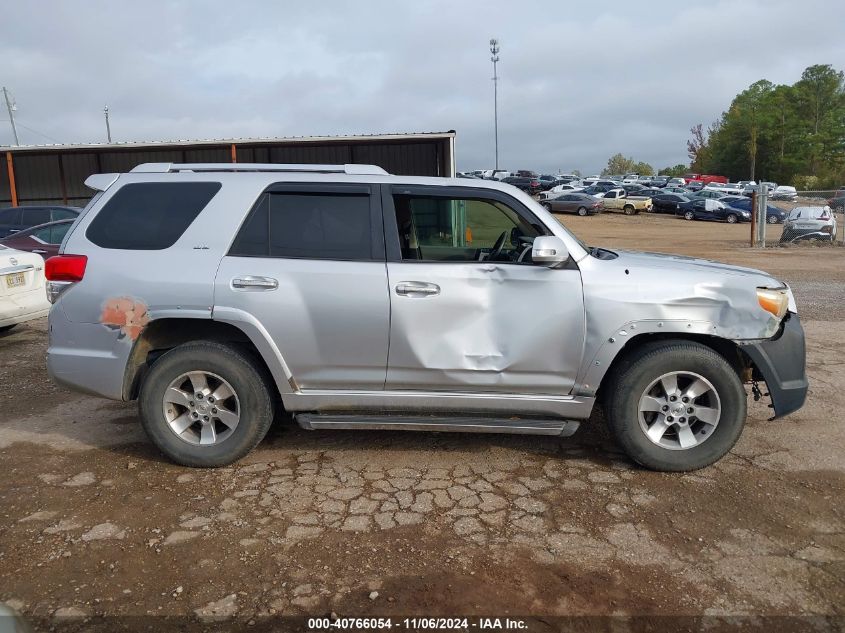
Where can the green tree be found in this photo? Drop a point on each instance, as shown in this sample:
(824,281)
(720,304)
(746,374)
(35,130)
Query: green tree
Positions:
(678,170)
(620,165)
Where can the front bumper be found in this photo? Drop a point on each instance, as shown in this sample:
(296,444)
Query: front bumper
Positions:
(781,361)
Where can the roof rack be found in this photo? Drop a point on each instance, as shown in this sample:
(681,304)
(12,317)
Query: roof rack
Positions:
(351,169)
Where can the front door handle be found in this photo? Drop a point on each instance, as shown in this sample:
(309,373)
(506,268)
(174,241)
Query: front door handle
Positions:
(38,251)
(417,289)
(254,282)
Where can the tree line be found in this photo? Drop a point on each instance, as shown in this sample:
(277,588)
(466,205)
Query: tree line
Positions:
(786,134)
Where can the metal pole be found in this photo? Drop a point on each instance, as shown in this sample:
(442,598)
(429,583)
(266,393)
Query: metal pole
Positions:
(11,109)
(753,219)
(763,199)
(108,127)
(494,49)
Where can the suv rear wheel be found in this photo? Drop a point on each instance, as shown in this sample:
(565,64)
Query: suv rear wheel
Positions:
(675,406)
(205,404)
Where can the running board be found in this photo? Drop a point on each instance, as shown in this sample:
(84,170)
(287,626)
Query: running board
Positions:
(520,426)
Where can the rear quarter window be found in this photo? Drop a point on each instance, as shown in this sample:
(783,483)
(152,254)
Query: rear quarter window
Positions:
(149,216)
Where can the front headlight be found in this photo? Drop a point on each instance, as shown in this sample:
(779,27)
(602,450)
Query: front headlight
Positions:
(774,301)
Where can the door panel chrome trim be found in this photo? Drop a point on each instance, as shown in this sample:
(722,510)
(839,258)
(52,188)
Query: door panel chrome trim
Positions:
(570,407)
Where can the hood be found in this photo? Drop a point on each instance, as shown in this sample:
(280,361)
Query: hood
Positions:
(692,264)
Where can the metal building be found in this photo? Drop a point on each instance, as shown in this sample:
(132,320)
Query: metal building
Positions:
(54,174)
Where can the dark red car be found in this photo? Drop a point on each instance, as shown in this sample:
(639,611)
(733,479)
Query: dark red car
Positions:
(43,239)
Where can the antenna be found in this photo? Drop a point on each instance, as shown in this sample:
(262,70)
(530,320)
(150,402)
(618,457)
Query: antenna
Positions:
(12,107)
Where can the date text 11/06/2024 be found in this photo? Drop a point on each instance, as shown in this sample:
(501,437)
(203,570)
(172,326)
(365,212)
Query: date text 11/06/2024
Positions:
(417,624)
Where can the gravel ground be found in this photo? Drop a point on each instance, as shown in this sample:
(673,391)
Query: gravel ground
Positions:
(94,522)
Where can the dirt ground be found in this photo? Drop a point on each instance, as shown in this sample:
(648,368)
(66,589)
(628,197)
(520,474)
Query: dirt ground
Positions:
(94,522)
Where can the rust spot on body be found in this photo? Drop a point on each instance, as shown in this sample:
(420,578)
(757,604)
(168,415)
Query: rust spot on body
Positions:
(126,314)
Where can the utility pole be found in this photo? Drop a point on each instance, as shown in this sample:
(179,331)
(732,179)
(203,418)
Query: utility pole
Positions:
(11,107)
(108,127)
(494,49)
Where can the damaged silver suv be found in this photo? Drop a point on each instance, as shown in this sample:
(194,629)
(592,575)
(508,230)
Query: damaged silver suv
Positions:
(217,295)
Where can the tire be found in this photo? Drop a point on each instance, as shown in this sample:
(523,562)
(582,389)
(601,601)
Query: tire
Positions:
(631,380)
(6,328)
(689,215)
(219,363)
(772,219)
(582,211)
(548,207)
(731,218)
(628,209)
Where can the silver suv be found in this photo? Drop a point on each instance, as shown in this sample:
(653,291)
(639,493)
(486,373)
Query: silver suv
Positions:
(217,295)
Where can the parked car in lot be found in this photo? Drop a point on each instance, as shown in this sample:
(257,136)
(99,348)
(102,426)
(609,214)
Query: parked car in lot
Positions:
(648,192)
(528,185)
(784,192)
(837,202)
(599,190)
(679,190)
(773,214)
(808,224)
(580,203)
(619,200)
(712,194)
(14,219)
(43,239)
(496,317)
(668,202)
(22,293)
(708,209)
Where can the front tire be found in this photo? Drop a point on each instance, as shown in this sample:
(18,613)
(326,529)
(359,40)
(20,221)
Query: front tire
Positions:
(689,215)
(649,417)
(772,219)
(6,328)
(205,404)
(731,218)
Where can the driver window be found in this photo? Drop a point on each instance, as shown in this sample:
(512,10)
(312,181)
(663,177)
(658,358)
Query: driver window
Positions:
(462,230)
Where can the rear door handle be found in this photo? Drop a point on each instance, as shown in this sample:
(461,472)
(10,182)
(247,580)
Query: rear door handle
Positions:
(254,282)
(417,289)
(39,251)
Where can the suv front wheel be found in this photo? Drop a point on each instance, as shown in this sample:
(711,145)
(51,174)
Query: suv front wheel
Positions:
(675,406)
(205,404)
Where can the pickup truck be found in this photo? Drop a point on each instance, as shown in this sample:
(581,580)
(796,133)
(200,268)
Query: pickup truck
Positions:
(619,200)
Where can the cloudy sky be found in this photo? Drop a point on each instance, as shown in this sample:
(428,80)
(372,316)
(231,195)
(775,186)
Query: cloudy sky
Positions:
(580,81)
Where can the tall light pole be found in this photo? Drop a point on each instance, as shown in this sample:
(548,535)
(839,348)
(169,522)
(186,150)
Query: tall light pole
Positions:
(494,49)
(11,107)
(108,127)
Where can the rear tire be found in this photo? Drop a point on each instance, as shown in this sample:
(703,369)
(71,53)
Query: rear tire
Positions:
(628,209)
(250,402)
(636,384)
(582,211)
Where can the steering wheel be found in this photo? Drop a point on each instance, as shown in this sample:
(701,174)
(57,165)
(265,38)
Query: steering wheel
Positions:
(496,250)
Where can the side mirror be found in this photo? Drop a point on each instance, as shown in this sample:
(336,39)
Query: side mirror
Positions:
(549,250)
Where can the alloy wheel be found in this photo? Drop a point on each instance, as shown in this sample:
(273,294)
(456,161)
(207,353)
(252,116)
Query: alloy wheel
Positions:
(679,410)
(201,408)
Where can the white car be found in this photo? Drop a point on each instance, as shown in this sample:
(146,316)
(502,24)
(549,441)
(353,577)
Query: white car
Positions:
(784,192)
(22,293)
(809,223)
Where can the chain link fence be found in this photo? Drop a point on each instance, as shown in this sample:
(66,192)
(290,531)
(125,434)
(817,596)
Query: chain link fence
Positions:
(809,218)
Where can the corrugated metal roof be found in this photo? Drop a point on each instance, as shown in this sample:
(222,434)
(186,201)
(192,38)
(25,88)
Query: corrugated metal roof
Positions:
(263,140)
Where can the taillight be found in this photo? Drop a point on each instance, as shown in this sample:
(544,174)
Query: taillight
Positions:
(65,268)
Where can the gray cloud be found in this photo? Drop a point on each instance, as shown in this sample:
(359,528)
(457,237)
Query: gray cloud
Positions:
(579,81)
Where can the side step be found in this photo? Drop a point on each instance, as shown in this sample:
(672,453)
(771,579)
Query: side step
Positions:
(381,422)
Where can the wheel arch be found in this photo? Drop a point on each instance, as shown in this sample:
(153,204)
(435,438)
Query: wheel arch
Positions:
(162,335)
(726,348)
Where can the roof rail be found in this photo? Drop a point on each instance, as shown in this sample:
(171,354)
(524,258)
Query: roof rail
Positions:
(352,169)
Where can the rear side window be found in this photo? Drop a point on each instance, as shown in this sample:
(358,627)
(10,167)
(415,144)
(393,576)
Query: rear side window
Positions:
(64,214)
(150,216)
(308,226)
(31,217)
